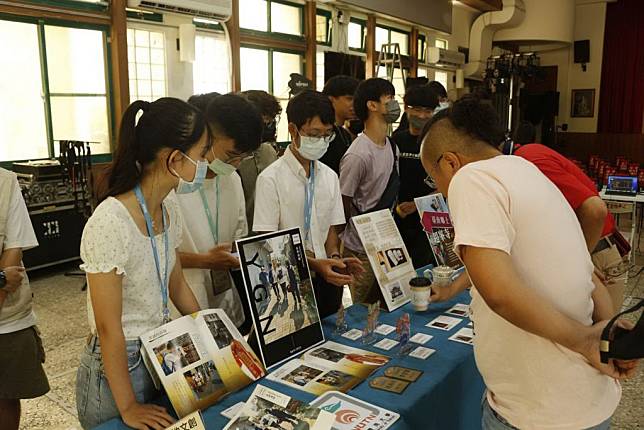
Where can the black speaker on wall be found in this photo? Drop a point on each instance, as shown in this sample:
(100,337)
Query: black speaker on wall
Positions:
(582,51)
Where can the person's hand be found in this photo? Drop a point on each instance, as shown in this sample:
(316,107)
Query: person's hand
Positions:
(220,257)
(589,348)
(14,276)
(602,277)
(331,269)
(406,208)
(146,416)
(442,293)
(354,266)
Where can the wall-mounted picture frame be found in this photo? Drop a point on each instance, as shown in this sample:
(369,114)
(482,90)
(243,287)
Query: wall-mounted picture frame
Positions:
(582,103)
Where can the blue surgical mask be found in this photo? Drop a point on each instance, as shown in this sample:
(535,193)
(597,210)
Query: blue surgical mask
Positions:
(186,187)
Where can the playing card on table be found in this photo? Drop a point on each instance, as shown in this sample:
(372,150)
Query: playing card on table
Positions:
(422,352)
(444,322)
(386,344)
(421,338)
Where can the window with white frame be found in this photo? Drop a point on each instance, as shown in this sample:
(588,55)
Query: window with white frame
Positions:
(357,34)
(319,70)
(269,70)
(441,43)
(62,96)
(385,35)
(146,64)
(441,77)
(210,70)
(284,17)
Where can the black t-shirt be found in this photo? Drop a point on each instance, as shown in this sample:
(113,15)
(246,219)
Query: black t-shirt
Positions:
(412,184)
(337,148)
(412,173)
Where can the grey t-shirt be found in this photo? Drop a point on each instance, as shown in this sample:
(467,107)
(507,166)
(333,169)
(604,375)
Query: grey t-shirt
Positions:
(364,173)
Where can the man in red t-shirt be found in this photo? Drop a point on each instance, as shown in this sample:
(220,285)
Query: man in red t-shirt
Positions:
(596,222)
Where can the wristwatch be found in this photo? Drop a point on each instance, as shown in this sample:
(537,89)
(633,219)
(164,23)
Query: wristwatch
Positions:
(3,279)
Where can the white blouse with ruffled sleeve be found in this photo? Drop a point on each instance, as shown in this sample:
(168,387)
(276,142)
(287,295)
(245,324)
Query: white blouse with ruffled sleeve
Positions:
(112,240)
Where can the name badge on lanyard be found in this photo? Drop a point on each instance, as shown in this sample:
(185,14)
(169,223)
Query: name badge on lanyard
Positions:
(214,225)
(309,192)
(163,280)
(219,279)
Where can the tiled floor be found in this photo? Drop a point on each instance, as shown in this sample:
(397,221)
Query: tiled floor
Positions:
(61,309)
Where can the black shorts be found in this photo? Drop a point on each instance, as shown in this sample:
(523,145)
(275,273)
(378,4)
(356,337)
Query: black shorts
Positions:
(21,371)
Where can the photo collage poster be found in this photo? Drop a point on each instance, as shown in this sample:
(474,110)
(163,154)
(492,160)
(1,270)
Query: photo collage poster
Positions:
(437,223)
(279,288)
(388,256)
(199,359)
(329,367)
(267,409)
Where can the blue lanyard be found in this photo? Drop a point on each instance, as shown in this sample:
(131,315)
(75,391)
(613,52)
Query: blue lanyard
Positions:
(163,281)
(214,228)
(308,201)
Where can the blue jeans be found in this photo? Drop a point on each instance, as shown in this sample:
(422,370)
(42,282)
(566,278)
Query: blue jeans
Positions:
(94,400)
(493,421)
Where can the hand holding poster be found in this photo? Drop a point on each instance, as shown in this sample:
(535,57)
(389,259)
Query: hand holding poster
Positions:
(434,216)
(387,254)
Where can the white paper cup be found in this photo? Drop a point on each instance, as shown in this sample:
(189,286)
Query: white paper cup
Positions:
(420,289)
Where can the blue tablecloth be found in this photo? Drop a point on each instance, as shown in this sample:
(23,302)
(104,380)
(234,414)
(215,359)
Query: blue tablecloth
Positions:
(447,395)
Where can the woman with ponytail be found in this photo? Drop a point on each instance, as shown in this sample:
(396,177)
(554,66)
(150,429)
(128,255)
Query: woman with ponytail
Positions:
(129,254)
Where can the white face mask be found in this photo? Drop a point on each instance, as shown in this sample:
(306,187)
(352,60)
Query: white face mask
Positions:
(313,148)
(441,106)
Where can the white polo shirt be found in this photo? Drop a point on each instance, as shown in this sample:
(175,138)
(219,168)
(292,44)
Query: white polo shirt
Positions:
(280,195)
(197,238)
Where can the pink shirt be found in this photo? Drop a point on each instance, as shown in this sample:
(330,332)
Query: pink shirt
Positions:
(506,203)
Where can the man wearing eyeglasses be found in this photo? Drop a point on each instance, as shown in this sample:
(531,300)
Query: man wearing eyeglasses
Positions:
(215,215)
(535,346)
(299,191)
(420,102)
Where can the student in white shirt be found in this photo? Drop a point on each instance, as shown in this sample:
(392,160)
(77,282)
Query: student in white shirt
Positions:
(172,359)
(535,346)
(129,252)
(21,353)
(285,186)
(215,215)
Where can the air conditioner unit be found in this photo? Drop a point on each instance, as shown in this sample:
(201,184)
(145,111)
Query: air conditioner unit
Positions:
(443,57)
(219,10)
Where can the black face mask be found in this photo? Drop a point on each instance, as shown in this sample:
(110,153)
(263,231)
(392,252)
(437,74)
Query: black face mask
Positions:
(356,126)
(269,132)
(623,344)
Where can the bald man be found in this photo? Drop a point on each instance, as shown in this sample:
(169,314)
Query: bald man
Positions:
(536,346)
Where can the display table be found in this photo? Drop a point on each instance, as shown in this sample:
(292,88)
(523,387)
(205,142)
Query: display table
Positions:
(635,221)
(447,396)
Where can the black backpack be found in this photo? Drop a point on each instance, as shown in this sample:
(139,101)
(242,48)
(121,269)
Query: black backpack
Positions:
(625,344)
